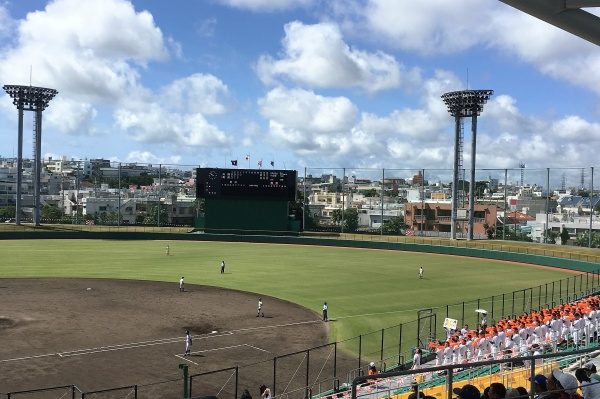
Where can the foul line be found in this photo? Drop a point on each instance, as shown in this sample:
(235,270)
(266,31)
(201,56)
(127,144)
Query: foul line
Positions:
(163,341)
(275,326)
(218,349)
(186,359)
(133,345)
(257,348)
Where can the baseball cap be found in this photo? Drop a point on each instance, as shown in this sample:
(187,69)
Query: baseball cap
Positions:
(541,380)
(468,391)
(567,381)
(372,364)
(590,366)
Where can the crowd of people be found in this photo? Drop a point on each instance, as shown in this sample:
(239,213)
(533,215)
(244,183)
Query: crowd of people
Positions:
(528,334)
(557,385)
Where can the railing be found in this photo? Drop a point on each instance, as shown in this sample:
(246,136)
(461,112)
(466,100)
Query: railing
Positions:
(532,366)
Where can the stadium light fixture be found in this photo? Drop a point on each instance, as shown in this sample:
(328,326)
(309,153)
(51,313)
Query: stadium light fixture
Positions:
(464,104)
(36,99)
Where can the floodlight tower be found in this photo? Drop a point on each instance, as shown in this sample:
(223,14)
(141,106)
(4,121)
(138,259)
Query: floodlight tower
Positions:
(462,104)
(36,99)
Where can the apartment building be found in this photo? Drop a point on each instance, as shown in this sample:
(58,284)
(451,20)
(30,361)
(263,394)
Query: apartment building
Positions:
(435,216)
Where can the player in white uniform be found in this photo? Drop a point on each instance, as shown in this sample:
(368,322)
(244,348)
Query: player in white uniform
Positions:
(448,353)
(421,272)
(181,283)
(260,311)
(461,352)
(416,359)
(578,329)
(439,355)
(188,343)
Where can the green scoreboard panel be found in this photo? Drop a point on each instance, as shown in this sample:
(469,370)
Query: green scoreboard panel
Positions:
(247,201)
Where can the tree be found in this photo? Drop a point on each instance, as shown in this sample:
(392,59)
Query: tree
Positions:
(349,216)
(200,205)
(153,215)
(370,193)
(582,240)
(583,193)
(394,225)
(551,236)
(50,212)
(393,192)
(564,237)
(8,212)
(490,230)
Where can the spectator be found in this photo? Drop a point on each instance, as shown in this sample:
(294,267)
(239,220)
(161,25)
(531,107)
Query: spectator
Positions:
(522,392)
(564,384)
(512,393)
(372,370)
(468,391)
(540,387)
(590,369)
(590,389)
(246,395)
(497,391)
(415,392)
(265,393)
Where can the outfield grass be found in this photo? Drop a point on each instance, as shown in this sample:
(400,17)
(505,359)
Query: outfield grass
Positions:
(354,282)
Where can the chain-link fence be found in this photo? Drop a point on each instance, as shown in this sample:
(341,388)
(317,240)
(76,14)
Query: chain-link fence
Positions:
(547,205)
(325,368)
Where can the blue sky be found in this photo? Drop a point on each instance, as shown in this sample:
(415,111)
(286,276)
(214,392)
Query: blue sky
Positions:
(353,83)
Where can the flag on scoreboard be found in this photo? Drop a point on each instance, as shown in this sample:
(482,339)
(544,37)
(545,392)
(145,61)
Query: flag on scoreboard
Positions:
(247,157)
(273,163)
(260,163)
(234,162)
(409,232)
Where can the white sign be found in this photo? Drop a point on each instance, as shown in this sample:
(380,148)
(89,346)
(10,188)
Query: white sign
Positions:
(450,324)
(461,214)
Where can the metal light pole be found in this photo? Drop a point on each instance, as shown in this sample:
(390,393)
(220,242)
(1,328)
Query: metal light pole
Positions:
(36,99)
(462,104)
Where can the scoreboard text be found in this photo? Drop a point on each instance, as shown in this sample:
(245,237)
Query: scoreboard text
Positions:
(246,183)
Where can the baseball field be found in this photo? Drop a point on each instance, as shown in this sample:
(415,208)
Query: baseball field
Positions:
(366,290)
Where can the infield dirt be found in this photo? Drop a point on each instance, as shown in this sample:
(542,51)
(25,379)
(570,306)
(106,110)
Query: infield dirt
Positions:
(99,334)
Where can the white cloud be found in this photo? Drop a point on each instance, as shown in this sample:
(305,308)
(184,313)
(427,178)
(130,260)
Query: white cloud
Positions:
(303,109)
(89,51)
(152,123)
(206,27)
(7,24)
(331,130)
(267,5)
(447,27)
(176,113)
(71,117)
(316,55)
(433,26)
(147,157)
(196,93)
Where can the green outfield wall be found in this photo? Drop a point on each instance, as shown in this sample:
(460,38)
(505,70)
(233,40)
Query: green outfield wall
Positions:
(564,263)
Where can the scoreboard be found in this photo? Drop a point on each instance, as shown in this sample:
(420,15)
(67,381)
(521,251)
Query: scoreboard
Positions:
(246,183)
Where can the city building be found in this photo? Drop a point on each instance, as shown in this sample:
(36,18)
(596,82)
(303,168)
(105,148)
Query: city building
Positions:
(436,217)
